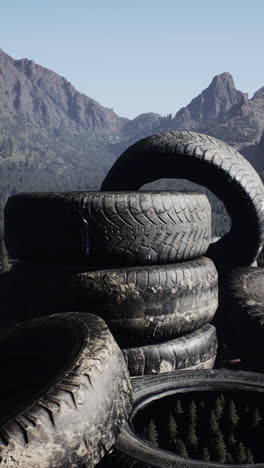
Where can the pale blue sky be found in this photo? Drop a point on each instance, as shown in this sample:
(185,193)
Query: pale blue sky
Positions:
(139,55)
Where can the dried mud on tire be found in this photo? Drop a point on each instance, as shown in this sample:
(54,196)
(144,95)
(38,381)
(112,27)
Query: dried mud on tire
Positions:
(242,309)
(141,305)
(210,162)
(196,350)
(65,392)
(136,228)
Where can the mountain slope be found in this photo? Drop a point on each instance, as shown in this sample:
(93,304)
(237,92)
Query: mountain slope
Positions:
(45,98)
(49,129)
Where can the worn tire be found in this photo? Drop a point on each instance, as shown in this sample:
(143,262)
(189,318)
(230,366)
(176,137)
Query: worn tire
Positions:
(196,350)
(118,228)
(65,392)
(242,309)
(131,451)
(141,305)
(209,162)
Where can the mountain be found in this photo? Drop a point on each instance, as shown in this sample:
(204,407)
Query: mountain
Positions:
(211,105)
(53,137)
(220,111)
(44,98)
(225,113)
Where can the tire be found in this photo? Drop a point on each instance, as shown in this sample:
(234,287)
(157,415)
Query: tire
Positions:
(7,312)
(243,311)
(133,451)
(196,350)
(141,305)
(65,392)
(209,162)
(111,228)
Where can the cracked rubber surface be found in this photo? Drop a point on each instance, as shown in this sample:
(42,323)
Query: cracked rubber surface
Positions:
(141,305)
(196,350)
(65,392)
(131,451)
(135,228)
(210,162)
(243,310)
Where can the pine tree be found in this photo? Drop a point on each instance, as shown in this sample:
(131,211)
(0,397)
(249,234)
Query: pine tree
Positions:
(192,440)
(178,408)
(232,414)
(249,456)
(219,407)
(213,423)
(222,399)
(205,454)
(201,405)
(216,440)
(219,448)
(172,431)
(256,418)
(231,441)
(240,453)
(193,412)
(180,448)
(151,434)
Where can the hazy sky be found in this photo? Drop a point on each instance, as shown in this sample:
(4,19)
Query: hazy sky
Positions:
(139,55)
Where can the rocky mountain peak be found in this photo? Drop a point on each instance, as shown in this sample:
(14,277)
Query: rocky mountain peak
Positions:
(259,94)
(209,106)
(48,99)
(224,79)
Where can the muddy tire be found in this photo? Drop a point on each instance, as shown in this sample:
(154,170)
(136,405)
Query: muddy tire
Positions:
(65,392)
(209,162)
(132,451)
(141,305)
(123,229)
(242,308)
(196,350)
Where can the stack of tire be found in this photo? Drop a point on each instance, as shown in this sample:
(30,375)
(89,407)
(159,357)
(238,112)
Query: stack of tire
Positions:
(223,170)
(209,162)
(134,259)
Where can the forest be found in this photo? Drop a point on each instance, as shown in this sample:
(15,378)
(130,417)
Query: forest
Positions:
(224,427)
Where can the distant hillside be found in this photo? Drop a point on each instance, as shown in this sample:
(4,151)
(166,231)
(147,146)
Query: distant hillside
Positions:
(54,138)
(51,136)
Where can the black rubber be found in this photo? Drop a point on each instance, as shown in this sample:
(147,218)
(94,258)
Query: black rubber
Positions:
(133,451)
(141,305)
(196,350)
(7,312)
(65,392)
(209,162)
(242,309)
(135,228)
